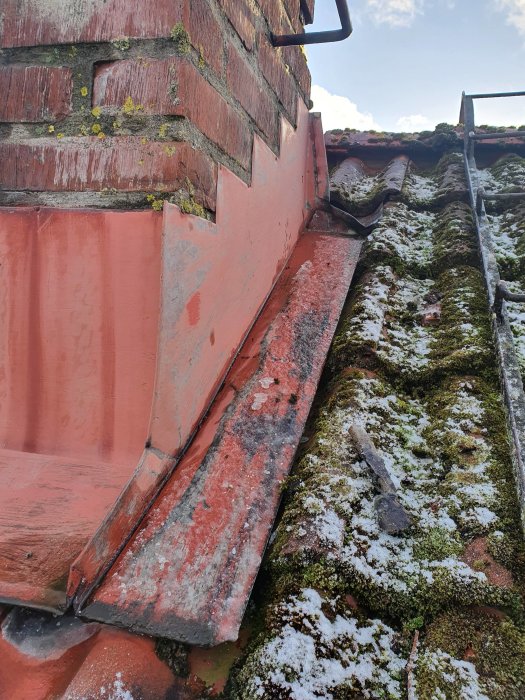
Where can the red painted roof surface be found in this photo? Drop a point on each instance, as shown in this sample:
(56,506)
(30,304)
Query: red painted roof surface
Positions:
(44,658)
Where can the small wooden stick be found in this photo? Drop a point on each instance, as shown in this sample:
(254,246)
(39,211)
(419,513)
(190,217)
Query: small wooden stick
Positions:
(368,452)
(411,689)
(391,515)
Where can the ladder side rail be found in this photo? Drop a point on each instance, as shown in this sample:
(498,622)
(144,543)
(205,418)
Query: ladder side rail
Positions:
(509,370)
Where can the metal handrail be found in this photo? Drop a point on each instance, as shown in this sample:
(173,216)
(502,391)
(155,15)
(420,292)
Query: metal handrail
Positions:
(502,292)
(497,293)
(492,135)
(319,37)
(467,109)
(490,95)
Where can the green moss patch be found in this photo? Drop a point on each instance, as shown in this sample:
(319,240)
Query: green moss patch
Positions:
(472,654)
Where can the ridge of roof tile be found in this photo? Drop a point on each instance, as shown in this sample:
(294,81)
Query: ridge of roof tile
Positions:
(444,137)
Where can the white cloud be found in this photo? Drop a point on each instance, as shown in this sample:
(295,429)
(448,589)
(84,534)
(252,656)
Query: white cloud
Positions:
(396,13)
(414,122)
(515,11)
(402,13)
(339,112)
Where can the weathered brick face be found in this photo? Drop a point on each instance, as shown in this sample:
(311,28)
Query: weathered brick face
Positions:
(174,86)
(143,97)
(34,93)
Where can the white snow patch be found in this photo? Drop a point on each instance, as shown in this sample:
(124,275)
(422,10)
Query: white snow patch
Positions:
(258,401)
(313,655)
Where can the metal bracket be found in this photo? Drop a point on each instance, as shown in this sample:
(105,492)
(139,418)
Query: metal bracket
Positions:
(319,37)
(479,200)
(503,293)
(361,225)
(307,12)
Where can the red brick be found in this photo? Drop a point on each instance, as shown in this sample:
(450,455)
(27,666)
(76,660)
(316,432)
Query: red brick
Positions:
(38,22)
(246,87)
(174,86)
(153,84)
(294,13)
(281,16)
(307,7)
(242,19)
(273,11)
(91,164)
(41,24)
(293,8)
(34,93)
(206,34)
(278,76)
(296,60)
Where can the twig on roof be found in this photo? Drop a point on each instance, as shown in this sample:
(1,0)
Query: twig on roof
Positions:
(392,517)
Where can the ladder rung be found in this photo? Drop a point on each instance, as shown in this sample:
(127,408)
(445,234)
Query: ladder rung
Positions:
(502,292)
(496,94)
(502,195)
(497,135)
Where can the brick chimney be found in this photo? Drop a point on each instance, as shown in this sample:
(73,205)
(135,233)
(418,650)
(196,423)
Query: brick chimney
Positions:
(157,168)
(113,103)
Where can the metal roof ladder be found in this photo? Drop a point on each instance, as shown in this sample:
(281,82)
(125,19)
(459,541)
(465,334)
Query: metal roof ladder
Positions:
(497,289)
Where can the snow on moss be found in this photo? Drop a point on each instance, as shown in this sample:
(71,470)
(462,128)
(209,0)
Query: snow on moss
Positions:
(441,465)
(507,230)
(386,326)
(472,653)
(353,186)
(430,189)
(420,189)
(452,678)
(487,181)
(368,318)
(506,175)
(318,653)
(412,364)
(402,239)
(406,344)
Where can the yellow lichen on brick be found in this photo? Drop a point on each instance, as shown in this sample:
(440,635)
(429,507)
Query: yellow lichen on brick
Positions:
(157,204)
(129,107)
(163,130)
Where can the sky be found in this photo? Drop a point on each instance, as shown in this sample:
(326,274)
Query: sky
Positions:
(407,62)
